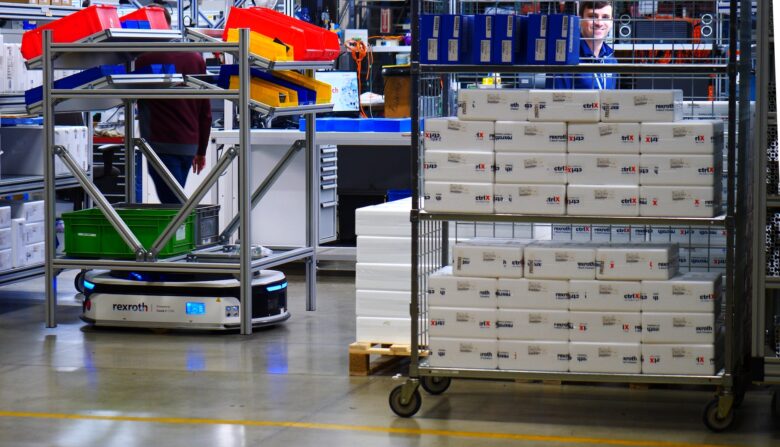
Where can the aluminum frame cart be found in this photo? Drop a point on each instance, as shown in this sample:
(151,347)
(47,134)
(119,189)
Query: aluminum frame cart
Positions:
(431,231)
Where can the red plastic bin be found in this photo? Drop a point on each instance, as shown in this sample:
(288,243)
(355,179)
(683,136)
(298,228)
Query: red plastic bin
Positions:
(71,28)
(155,15)
(331,45)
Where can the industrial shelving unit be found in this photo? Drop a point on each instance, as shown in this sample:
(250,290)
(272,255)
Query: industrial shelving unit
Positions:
(242,265)
(431,231)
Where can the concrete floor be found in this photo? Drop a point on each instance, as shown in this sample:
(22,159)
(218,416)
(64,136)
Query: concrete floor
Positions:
(288,386)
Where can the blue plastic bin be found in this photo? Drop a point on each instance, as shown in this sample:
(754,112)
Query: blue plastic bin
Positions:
(36,94)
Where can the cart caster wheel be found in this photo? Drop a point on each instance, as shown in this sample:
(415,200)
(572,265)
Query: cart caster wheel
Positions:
(405,410)
(715,422)
(435,385)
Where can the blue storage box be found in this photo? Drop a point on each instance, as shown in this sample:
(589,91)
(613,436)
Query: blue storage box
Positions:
(136,24)
(534,40)
(505,38)
(479,29)
(305,96)
(36,94)
(453,45)
(563,39)
(360,124)
(431,39)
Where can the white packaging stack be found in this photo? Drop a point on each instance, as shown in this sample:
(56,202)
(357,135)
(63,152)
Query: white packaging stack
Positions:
(689,359)
(491,258)
(452,134)
(623,327)
(387,219)
(17,242)
(533,355)
(618,358)
(530,199)
(5,217)
(603,169)
(603,138)
(679,201)
(492,104)
(533,324)
(5,239)
(602,200)
(384,330)
(462,322)
(32,211)
(691,170)
(608,296)
(463,166)
(690,292)
(6,259)
(521,167)
(641,105)
(564,105)
(382,303)
(703,137)
(678,327)
(450,197)
(34,254)
(384,249)
(636,261)
(447,290)
(555,260)
(382,276)
(526,136)
(462,353)
(527,293)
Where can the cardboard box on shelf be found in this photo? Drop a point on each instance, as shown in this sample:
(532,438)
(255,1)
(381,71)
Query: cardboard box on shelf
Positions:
(5,217)
(382,303)
(603,138)
(564,105)
(32,211)
(555,260)
(533,355)
(519,167)
(458,166)
(679,327)
(636,106)
(384,330)
(526,293)
(491,258)
(526,136)
(603,326)
(446,290)
(533,324)
(462,353)
(603,169)
(704,137)
(612,296)
(636,261)
(451,134)
(690,292)
(492,104)
(530,199)
(682,359)
(691,170)
(462,322)
(6,241)
(6,259)
(618,358)
(679,201)
(602,200)
(458,197)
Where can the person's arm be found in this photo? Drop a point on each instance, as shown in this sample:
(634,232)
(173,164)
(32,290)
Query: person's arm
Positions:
(204,133)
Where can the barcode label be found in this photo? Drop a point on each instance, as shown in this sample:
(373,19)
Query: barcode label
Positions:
(604,162)
(456,26)
(484,53)
(530,131)
(436,23)
(679,132)
(641,100)
(452,50)
(679,195)
(456,188)
(543,26)
(560,50)
(506,51)
(510,25)
(605,130)
(565,27)
(540,50)
(455,158)
(433,49)
(489,27)
(530,163)
(601,194)
(677,163)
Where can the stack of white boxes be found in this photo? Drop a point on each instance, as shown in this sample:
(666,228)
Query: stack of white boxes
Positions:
(16,77)
(603,144)
(27,231)
(6,242)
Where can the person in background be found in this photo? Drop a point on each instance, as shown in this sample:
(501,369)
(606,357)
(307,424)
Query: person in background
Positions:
(595,26)
(177,129)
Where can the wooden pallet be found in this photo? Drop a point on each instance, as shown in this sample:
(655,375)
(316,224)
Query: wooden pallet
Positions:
(390,355)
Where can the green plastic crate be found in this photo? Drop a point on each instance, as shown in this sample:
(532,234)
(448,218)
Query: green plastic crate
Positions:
(89,234)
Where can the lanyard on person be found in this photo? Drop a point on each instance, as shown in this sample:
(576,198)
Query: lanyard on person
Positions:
(601,78)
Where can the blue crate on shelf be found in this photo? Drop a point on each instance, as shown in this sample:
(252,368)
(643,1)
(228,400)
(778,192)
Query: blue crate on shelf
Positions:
(385,125)
(35,95)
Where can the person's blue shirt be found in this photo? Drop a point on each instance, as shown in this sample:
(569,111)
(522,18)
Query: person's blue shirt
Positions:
(588,81)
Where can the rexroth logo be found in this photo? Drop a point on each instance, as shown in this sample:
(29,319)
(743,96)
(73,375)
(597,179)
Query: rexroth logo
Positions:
(140,307)
(664,107)
(557,138)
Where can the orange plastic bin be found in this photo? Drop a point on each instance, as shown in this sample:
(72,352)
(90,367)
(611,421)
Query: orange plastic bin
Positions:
(152,14)
(71,28)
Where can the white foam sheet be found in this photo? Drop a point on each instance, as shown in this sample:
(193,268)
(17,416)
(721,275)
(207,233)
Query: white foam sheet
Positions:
(530,199)
(382,303)
(679,327)
(387,219)
(526,136)
(602,200)
(636,261)
(527,293)
(462,322)
(537,167)
(384,249)
(374,276)
(384,330)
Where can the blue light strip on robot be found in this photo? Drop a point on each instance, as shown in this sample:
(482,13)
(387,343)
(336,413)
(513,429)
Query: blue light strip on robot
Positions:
(88,285)
(276,287)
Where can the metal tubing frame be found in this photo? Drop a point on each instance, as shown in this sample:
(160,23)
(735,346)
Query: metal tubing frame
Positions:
(165,174)
(244,183)
(130,167)
(312,207)
(414,99)
(49,187)
(191,203)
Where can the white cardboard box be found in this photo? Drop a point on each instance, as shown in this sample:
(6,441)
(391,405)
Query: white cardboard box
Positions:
(533,355)
(34,254)
(530,199)
(5,216)
(384,330)
(452,134)
(526,136)
(382,303)
(386,219)
(623,327)
(459,197)
(693,170)
(384,249)
(619,358)
(603,169)
(533,324)
(678,327)
(704,137)
(521,167)
(462,322)
(603,138)
(446,290)
(462,353)
(636,262)
(690,292)
(679,359)
(491,258)
(17,242)
(6,259)
(29,211)
(564,105)
(602,200)
(526,293)
(555,260)
(33,233)
(492,104)
(6,241)
(625,296)
(375,276)
(679,201)
(636,106)
(458,166)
